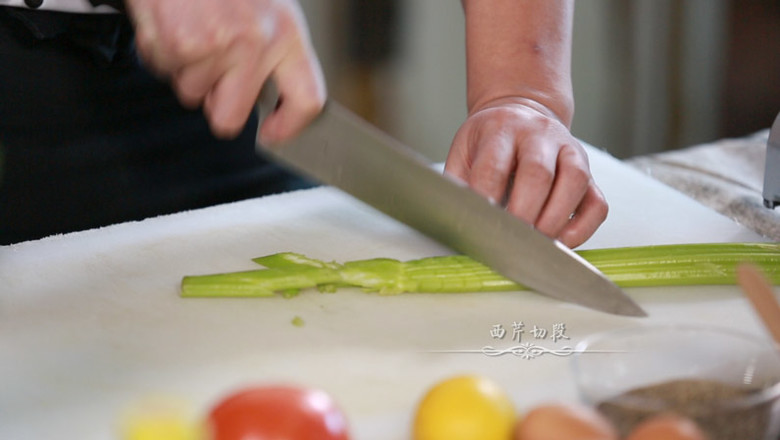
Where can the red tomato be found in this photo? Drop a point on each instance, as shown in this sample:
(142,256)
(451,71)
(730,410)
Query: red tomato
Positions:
(278,413)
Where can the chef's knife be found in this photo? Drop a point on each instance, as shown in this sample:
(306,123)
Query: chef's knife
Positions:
(340,149)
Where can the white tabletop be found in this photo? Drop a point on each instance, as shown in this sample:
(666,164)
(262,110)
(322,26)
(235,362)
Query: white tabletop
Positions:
(91,322)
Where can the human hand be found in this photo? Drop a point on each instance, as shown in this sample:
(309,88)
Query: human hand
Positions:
(516,152)
(219,53)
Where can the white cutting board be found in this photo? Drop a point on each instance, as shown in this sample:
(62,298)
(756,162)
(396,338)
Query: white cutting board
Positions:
(91,322)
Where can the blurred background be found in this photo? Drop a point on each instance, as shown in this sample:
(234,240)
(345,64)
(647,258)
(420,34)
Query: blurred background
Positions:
(649,75)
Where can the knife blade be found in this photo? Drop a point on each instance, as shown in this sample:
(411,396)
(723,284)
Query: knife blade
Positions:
(340,149)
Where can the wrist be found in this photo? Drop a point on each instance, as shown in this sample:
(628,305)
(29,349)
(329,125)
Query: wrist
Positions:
(558,106)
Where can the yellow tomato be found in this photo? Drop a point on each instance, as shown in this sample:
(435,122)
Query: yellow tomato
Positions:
(464,408)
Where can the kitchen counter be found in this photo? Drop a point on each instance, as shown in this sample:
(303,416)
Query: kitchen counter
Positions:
(91,322)
(726,175)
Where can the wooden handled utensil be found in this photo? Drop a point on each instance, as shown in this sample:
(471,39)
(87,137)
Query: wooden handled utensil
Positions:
(761,296)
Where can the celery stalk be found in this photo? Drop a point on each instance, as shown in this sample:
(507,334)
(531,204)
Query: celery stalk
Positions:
(641,266)
(256,283)
(285,260)
(686,264)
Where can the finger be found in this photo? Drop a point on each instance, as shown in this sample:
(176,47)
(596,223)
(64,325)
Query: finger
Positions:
(146,36)
(230,101)
(534,177)
(458,162)
(196,78)
(302,90)
(589,216)
(192,83)
(493,165)
(569,187)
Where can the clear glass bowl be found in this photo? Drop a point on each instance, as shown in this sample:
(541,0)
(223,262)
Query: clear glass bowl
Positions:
(726,381)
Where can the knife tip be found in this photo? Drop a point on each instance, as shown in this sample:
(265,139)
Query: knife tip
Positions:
(638,312)
(630,308)
(621,303)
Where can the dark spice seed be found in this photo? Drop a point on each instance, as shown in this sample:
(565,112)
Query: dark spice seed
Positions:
(713,405)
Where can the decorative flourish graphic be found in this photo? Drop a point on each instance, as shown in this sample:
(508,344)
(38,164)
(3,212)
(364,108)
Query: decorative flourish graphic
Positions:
(526,351)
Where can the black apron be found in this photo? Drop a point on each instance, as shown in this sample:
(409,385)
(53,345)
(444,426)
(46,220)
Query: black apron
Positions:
(89,138)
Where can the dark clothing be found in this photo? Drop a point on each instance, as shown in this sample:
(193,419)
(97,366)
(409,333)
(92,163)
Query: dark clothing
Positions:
(116,4)
(90,138)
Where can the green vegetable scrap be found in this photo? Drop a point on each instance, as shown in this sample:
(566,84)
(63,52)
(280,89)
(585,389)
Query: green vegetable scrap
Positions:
(297,321)
(641,266)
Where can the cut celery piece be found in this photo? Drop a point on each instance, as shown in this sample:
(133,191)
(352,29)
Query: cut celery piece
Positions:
(264,282)
(285,260)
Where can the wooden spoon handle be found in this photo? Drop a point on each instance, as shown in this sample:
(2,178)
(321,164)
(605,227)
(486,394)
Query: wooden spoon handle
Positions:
(760,293)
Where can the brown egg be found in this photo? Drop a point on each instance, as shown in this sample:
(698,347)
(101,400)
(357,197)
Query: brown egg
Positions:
(564,422)
(666,427)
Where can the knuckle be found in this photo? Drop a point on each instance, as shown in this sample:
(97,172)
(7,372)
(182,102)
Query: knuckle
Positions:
(598,204)
(144,42)
(574,166)
(601,211)
(308,94)
(580,176)
(484,185)
(537,173)
(264,31)
(288,22)
(186,47)
(546,229)
(254,34)
(312,103)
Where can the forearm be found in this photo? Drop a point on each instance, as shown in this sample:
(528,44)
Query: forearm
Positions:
(520,50)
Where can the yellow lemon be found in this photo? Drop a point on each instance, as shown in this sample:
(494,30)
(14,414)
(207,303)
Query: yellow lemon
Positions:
(465,408)
(160,418)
